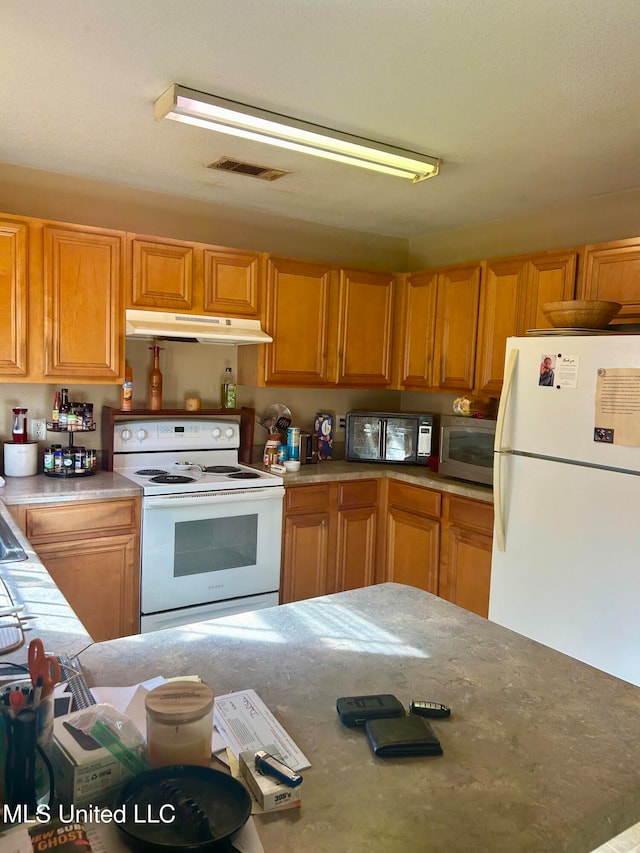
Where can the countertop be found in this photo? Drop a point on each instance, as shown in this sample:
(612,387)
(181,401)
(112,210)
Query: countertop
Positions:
(419,475)
(53,618)
(108,484)
(541,752)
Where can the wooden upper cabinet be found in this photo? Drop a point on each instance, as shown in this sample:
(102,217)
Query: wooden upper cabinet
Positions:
(231,280)
(13,298)
(83,303)
(514,290)
(365,328)
(161,274)
(415,330)
(503,303)
(457,307)
(301,303)
(611,271)
(551,278)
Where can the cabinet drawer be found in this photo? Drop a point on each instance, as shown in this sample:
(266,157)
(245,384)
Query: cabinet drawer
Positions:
(357,493)
(300,499)
(470,513)
(51,523)
(415,499)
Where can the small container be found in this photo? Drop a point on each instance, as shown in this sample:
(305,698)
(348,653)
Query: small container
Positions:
(270,454)
(283,453)
(293,442)
(291,466)
(193,404)
(19,430)
(179,723)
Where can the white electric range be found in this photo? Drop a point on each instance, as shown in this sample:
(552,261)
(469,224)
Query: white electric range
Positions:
(211,527)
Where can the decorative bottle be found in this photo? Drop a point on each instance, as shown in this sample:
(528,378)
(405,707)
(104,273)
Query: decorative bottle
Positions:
(126,391)
(55,412)
(155,381)
(229,390)
(65,408)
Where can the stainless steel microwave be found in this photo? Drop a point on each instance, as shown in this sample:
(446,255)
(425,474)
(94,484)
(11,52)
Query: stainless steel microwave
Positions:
(466,448)
(402,437)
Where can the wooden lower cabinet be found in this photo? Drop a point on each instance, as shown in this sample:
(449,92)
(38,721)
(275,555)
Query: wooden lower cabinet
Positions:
(91,549)
(329,538)
(465,553)
(412,535)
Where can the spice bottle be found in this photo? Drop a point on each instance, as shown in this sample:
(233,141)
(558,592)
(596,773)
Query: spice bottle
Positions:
(270,455)
(126,391)
(229,390)
(179,723)
(63,413)
(155,381)
(55,412)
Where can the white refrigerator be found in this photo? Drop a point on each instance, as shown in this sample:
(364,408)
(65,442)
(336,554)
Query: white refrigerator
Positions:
(566,554)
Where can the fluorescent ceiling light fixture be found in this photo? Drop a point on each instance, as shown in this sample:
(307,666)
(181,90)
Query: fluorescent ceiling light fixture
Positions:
(224,116)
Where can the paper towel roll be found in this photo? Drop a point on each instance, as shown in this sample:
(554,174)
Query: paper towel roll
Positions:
(20,460)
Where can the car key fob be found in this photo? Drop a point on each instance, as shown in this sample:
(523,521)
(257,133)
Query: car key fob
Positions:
(428,709)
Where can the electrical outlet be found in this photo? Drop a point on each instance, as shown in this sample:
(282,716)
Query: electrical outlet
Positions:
(38,429)
(341,423)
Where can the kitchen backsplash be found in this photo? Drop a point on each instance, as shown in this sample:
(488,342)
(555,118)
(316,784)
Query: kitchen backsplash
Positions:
(190,370)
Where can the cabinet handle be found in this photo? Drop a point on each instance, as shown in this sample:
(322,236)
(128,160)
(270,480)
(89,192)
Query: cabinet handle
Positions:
(499,450)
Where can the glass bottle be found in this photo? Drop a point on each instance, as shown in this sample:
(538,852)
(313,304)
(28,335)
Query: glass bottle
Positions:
(55,412)
(229,390)
(126,391)
(63,414)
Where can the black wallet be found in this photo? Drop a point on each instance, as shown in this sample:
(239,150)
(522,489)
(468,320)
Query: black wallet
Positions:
(409,735)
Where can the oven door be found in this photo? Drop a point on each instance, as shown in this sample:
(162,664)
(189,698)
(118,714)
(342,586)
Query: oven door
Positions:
(210,546)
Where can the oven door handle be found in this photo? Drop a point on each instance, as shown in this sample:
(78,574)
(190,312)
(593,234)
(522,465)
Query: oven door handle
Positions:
(218,497)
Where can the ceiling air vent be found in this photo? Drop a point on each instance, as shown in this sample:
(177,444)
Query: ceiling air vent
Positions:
(226,164)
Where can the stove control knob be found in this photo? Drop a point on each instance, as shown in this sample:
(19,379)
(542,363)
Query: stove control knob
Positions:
(126,434)
(141,434)
(216,433)
(228,433)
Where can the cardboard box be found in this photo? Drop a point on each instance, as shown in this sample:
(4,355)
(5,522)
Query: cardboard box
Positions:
(85,773)
(270,794)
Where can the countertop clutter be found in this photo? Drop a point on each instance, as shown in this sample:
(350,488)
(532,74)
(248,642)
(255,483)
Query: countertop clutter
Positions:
(530,759)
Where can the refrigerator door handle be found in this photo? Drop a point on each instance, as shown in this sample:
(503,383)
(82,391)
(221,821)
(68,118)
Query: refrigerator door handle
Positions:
(498,502)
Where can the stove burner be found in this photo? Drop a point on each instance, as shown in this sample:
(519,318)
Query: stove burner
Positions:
(172,478)
(149,472)
(244,475)
(222,469)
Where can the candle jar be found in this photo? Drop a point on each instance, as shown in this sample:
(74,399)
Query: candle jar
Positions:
(179,723)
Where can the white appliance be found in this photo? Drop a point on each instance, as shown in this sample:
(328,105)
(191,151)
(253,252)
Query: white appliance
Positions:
(566,553)
(211,528)
(204,329)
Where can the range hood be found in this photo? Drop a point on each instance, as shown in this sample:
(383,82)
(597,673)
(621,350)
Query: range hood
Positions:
(192,327)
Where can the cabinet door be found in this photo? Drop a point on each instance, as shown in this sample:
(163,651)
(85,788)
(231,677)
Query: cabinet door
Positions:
(412,549)
(551,278)
(13,298)
(503,303)
(356,548)
(306,565)
(417,325)
(161,274)
(457,308)
(299,301)
(84,314)
(99,579)
(365,328)
(465,557)
(611,271)
(231,280)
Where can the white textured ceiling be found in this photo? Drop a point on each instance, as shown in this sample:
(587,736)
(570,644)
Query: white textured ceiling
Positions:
(529,103)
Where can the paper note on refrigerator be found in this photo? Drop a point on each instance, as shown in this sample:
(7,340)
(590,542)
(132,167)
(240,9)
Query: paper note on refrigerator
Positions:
(617,416)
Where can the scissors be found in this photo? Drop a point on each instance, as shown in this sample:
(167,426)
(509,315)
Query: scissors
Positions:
(43,669)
